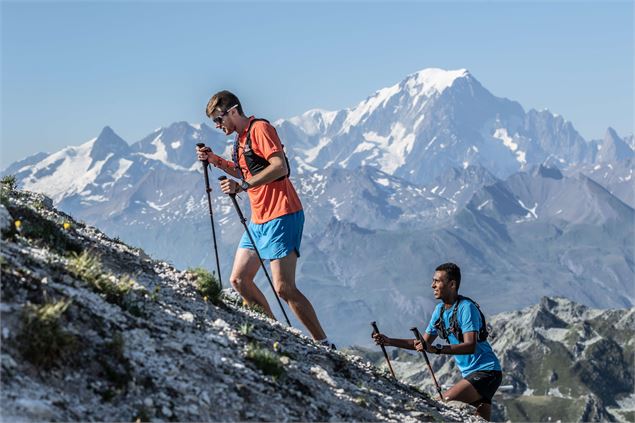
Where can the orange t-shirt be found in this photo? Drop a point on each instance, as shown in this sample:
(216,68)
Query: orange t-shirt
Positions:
(276,198)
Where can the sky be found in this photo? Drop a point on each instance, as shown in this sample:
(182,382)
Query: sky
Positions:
(70,68)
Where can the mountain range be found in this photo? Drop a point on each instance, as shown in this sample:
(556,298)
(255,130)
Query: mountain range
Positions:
(432,169)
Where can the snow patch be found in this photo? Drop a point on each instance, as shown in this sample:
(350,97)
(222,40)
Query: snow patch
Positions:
(532,211)
(554,334)
(175,144)
(501,134)
(555,392)
(124,165)
(482,205)
(312,153)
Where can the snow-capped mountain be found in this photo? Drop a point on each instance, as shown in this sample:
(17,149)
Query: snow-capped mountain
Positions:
(432,121)
(432,169)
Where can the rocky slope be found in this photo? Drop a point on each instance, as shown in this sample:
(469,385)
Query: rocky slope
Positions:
(93,330)
(561,361)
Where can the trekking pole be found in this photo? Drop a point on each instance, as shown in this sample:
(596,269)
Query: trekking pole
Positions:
(423,343)
(211,213)
(243,221)
(375,330)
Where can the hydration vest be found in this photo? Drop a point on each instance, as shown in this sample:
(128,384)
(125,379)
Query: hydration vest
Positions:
(455,328)
(255,163)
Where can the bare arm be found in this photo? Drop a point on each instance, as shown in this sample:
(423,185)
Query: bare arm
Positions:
(381,339)
(468,346)
(277,168)
(226,166)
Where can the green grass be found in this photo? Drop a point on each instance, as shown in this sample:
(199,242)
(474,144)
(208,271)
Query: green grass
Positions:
(544,408)
(42,231)
(41,339)
(266,360)
(207,284)
(87,267)
(539,367)
(245,329)
(9,181)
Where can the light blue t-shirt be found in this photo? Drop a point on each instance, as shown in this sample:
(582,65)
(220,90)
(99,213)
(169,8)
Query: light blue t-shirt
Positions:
(469,320)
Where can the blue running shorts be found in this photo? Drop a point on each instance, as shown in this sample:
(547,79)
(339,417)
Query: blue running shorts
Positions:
(277,238)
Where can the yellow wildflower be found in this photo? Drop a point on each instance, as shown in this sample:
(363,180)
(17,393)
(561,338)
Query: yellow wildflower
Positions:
(67,225)
(18,224)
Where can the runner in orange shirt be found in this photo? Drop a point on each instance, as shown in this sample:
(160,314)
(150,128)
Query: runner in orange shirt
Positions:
(277,218)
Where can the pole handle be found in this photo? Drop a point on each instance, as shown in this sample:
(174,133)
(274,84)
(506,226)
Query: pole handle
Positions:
(201,145)
(204,164)
(374,325)
(383,349)
(418,335)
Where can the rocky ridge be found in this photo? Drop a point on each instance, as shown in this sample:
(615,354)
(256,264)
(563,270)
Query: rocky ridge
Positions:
(561,361)
(138,341)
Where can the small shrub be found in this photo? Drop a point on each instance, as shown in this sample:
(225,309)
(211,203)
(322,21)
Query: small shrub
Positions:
(267,361)
(155,294)
(207,284)
(9,181)
(87,267)
(41,338)
(245,329)
(361,401)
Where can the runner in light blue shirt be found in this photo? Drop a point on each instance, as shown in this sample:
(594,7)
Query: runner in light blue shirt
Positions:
(458,320)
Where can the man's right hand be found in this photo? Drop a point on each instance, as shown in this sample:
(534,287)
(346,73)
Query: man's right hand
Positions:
(205,154)
(380,339)
(421,347)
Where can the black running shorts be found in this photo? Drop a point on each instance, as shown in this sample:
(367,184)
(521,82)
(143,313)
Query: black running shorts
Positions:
(486,382)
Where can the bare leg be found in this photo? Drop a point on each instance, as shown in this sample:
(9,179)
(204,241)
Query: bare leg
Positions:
(246,265)
(283,272)
(464,391)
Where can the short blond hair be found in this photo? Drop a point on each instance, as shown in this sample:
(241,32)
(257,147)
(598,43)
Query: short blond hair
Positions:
(223,100)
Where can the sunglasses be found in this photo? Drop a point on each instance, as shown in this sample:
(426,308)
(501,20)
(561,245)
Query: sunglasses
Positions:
(219,119)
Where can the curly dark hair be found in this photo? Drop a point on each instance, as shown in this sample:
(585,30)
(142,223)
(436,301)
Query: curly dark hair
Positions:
(452,271)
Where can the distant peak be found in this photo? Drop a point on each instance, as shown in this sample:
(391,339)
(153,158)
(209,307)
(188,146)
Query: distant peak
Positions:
(611,134)
(108,142)
(432,80)
(107,131)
